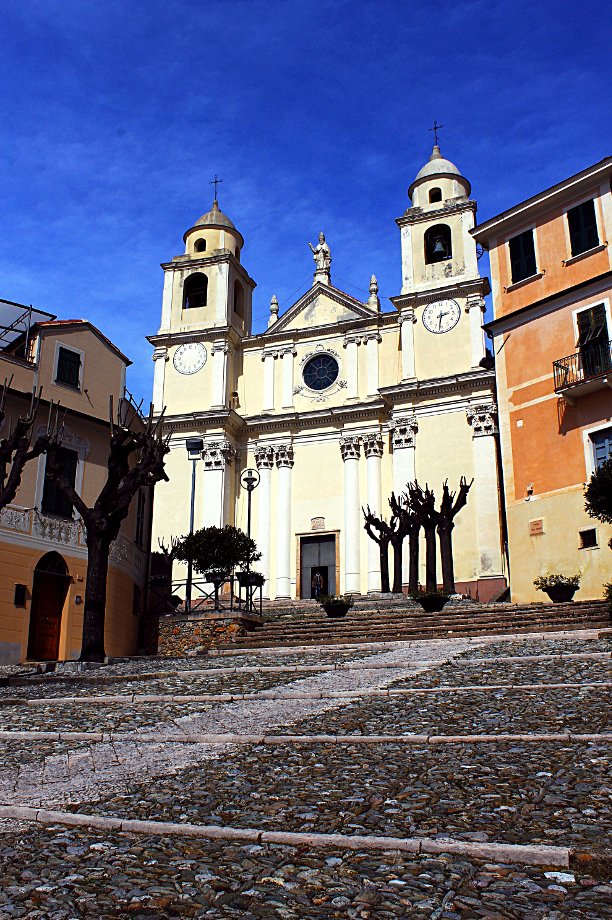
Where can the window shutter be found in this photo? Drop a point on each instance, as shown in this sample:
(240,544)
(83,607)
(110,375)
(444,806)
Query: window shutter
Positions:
(54,501)
(602,446)
(583,227)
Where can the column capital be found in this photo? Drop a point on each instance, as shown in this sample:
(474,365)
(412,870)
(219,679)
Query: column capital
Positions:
(284,455)
(407,317)
(403,430)
(217,454)
(353,338)
(269,353)
(219,346)
(475,301)
(371,337)
(161,351)
(264,457)
(483,419)
(287,350)
(350,447)
(373,444)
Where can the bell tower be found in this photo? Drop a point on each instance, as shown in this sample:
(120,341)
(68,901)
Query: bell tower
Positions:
(206,312)
(442,298)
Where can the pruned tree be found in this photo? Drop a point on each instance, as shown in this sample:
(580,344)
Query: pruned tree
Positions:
(450,506)
(423,505)
(378,530)
(399,531)
(412,527)
(136,459)
(598,495)
(215,551)
(16,449)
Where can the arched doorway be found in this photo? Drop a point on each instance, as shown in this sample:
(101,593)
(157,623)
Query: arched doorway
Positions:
(49,589)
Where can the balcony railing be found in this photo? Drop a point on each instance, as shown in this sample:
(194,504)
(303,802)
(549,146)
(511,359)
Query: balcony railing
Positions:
(589,364)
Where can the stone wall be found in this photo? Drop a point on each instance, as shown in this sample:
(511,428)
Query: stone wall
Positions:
(184,635)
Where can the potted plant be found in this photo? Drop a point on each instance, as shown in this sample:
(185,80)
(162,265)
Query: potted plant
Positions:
(336,606)
(560,588)
(431,601)
(254,579)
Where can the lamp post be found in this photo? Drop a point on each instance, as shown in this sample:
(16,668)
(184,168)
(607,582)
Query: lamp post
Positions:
(194,446)
(249,480)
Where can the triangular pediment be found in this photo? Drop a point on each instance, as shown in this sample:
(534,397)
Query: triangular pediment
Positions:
(322,305)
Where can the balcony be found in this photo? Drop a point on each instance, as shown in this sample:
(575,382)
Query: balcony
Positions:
(588,370)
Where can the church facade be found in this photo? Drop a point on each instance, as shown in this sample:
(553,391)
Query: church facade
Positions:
(336,404)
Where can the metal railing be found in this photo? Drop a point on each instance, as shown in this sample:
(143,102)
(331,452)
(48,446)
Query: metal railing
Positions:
(237,596)
(590,362)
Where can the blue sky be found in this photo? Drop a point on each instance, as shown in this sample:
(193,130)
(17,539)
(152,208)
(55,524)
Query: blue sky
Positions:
(114,117)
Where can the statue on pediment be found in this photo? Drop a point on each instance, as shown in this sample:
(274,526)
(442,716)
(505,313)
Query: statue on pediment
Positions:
(322,257)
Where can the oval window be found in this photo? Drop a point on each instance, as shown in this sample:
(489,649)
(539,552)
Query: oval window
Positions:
(320,372)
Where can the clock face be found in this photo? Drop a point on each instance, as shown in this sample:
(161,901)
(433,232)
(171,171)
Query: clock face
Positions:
(441,315)
(189,358)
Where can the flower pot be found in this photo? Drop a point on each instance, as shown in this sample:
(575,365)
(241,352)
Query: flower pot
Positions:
(335,611)
(432,603)
(561,594)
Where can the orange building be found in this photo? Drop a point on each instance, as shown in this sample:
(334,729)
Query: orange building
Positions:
(43,557)
(551,269)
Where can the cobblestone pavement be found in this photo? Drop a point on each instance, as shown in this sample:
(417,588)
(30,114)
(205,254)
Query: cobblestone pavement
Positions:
(519,792)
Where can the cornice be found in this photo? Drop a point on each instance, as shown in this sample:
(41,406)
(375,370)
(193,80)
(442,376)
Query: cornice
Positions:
(178,336)
(438,386)
(328,291)
(185,262)
(419,215)
(459,288)
(315,332)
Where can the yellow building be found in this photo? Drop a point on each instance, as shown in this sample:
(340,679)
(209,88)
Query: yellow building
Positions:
(336,403)
(551,271)
(43,557)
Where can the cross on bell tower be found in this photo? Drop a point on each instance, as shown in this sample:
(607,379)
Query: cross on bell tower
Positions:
(435,129)
(216,181)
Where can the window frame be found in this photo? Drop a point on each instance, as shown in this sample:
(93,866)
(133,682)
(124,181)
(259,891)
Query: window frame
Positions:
(589,447)
(538,271)
(595,198)
(69,516)
(56,360)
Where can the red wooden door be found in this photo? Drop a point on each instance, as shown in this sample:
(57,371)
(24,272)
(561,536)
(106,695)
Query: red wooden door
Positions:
(49,589)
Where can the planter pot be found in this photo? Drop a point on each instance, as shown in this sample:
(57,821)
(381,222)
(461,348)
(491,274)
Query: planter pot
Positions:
(561,594)
(335,611)
(432,603)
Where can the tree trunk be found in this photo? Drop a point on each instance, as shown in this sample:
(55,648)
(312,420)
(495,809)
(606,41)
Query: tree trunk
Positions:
(397,567)
(413,549)
(431,574)
(384,566)
(445,535)
(98,549)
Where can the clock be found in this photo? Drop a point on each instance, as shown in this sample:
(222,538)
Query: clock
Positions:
(189,358)
(441,315)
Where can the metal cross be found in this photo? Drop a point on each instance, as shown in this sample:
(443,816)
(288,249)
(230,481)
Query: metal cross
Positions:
(216,181)
(435,129)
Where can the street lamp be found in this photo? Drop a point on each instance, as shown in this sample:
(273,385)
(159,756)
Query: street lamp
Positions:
(249,480)
(194,446)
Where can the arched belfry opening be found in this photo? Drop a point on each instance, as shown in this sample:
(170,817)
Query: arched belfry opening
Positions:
(200,245)
(435,194)
(438,244)
(195,291)
(49,590)
(238,299)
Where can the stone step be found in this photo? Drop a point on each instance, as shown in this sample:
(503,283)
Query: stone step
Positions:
(405,607)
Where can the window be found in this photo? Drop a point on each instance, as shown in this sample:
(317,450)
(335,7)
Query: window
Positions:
(200,245)
(238,300)
(602,446)
(438,244)
(196,291)
(582,227)
(435,195)
(140,519)
(68,367)
(593,341)
(53,499)
(522,256)
(320,372)
(588,538)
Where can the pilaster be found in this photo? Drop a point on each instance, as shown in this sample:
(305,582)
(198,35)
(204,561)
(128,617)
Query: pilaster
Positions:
(264,458)
(284,461)
(350,447)
(483,419)
(475,308)
(373,449)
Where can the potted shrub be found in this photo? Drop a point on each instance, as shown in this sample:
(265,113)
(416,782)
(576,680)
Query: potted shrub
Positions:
(560,588)
(336,606)
(254,579)
(431,601)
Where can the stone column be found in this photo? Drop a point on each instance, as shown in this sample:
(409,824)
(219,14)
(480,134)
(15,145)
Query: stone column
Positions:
(264,458)
(268,387)
(350,447)
(219,352)
(373,449)
(217,456)
(166,313)
(407,321)
(287,355)
(372,340)
(160,357)
(475,308)
(284,462)
(403,430)
(351,343)
(483,419)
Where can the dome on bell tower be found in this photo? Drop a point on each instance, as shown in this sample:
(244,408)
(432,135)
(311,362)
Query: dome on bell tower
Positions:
(438,180)
(210,231)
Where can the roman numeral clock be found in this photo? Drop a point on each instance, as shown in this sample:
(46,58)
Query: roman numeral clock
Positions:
(441,316)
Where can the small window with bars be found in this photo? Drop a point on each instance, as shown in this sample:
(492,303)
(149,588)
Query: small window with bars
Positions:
(522,256)
(582,225)
(68,367)
(54,501)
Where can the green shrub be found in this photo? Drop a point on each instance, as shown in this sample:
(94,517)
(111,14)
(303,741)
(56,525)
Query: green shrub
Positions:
(549,581)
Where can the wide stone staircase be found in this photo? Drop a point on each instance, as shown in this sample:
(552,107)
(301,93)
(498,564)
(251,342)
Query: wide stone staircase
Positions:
(304,622)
